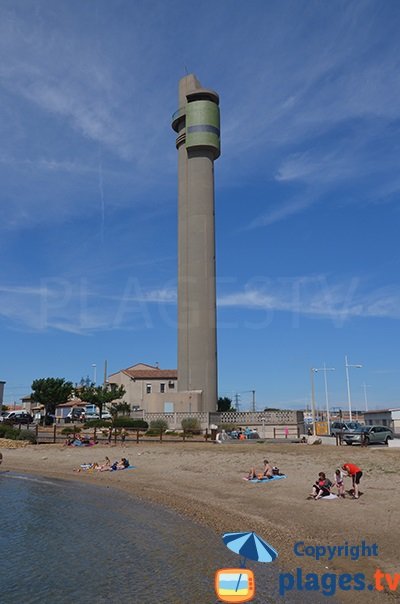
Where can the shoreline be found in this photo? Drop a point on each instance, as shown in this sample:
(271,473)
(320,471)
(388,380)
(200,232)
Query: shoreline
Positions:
(203,482)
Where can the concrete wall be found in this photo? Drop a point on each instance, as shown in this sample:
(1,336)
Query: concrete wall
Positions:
(268,425)
(176,401)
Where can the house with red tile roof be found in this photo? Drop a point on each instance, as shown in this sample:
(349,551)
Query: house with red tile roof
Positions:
(155,390)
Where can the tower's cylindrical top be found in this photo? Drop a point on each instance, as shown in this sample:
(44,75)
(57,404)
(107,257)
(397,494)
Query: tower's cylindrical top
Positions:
(197,119)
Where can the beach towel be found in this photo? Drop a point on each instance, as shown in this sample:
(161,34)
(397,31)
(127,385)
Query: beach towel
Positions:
(264,480)
(118,469)
(328,497)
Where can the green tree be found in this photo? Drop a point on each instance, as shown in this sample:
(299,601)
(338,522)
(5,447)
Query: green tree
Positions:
(51,392)
(120,408)
(224,404)
(101,395)
(4,408)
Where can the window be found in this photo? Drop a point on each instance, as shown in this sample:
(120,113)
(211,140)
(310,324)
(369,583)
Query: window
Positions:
(162,387)
(148,388)
(171,385)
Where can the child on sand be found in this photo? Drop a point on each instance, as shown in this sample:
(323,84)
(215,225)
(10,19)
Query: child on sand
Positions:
(339,483)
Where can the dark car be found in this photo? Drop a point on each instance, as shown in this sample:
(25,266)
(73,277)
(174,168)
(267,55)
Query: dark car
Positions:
(369,435)
(17,417)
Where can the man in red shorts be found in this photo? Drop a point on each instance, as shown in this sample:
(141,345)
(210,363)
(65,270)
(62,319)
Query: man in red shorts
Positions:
(355,472)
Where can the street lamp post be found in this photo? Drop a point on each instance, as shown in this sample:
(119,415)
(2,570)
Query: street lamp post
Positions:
(312,371)
(263,426)
(365,386)
(348,384)
(94,373)
(328,417)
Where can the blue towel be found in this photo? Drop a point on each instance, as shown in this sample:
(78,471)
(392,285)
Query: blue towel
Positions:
(265,480)
(120,470)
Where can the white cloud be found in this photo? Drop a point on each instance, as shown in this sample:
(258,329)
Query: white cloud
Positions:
(316,297)
(62,305)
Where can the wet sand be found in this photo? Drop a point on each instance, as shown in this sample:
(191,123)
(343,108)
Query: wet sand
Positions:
(204,482)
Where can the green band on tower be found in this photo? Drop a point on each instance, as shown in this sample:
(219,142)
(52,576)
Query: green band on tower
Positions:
(203,125)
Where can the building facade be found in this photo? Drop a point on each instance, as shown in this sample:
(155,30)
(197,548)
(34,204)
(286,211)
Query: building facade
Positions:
(155,390)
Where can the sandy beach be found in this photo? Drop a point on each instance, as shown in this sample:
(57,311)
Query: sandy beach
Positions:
(204,482)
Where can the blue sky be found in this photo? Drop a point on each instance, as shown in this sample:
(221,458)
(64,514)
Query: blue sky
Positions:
(307,190)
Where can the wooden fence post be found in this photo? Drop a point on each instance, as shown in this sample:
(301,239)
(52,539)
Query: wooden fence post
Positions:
(115,436)
(184,435)
(55,434)
(37,432)
(94,434)
(274,432)
(137,436)
(160,436)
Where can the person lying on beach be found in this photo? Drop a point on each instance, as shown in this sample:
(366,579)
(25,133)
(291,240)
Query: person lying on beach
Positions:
(267,472)
(322,487)
(87,466)
(339,483)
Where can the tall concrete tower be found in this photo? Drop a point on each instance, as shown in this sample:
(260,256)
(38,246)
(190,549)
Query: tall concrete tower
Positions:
(198,143)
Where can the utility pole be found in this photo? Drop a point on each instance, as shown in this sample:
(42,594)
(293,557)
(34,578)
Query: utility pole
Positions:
(312,370)
(105,372)
(347,366)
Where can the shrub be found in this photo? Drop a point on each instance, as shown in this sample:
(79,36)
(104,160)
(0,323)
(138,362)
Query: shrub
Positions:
(228,427)
(7,431)
(191,424)
(13,434)
(152,433)
(128,422)
(158,425)
(26,435)
(70,430)
(97,423)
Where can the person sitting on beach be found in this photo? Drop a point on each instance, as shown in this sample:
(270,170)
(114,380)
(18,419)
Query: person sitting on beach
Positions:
(355,472)
(267,472)
(105,466)
(322,487)
(339,483)
(120,465)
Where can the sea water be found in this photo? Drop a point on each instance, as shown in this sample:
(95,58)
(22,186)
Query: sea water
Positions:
(62,541)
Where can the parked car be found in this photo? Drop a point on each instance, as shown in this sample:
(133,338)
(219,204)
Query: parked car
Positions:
(17,417)
(344,427)
(74,415)
(369,435)
(106,415)
(89,416)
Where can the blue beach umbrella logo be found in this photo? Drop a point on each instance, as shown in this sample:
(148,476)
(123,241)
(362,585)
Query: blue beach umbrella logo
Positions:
(250,546)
